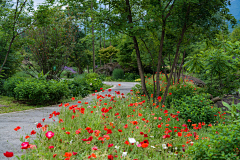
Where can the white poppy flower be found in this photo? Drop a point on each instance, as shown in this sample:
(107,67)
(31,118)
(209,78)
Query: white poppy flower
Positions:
(132,140)
(124,154)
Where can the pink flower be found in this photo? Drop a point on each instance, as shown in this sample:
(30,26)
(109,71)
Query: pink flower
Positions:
(184,125)
(32,146)
(49,134)
(137,127)
(24,145)
(160,118)
(94,148)
(110,145)
(166,136)
(139,145)
(50,147)
(74,153)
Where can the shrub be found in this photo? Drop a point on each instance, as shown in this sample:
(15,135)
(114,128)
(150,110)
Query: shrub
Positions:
(178,91)
(94,84)
(91,75)
(223,143)
(118,74)
(10,84)
(131,76)
(196,108)
(78,87)
(37,91)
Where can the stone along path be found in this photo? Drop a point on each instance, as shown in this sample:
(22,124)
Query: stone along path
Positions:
(10,139)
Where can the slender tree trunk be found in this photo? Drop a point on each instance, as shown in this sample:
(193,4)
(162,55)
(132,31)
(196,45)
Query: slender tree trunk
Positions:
(139,62)
(9,48)
(174,63)
(104,32)
(93,40)
(160,59)
(175,70)
(180,69)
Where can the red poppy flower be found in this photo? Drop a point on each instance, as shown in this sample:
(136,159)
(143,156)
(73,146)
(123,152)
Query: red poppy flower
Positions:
(144,145)
(86,102)
(54,155)
(126,142)
(119,130)
(179,134)
(141,133)
(67,154)
(17,128)
(73,98)
(109,131)
(67,132)
(166,111)
(110,157)
(33,132)
(8,154)
(50,147)
(39,125)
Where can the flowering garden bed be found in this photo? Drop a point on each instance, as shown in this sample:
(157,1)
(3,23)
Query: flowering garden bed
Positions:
(128,127)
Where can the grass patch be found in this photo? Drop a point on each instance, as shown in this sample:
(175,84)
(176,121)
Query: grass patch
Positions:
(9,104)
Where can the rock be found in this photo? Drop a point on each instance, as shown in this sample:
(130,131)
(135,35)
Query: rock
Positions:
(216,99)
(108,68)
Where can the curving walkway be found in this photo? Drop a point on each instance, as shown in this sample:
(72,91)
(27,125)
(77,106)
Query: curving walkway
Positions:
(10,139)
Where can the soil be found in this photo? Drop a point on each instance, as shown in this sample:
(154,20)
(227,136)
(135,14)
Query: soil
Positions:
(228,99)
(3,106)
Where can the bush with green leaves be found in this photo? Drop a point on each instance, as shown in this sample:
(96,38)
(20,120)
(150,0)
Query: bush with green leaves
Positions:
(10,84)
(94,84)
(37,91)
(131,76)
(179,90)
(197,108)
(223,143)
(118,74)
(91,75)
(78,86)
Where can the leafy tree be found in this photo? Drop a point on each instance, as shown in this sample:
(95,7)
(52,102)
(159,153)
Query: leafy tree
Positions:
(80,57)
(51,44)
(14,22)
(107,53)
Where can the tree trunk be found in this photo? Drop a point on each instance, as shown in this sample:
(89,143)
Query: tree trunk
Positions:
(139,62)
(174,63)
(160,60)
(93,40)
(180,69)
(9,48)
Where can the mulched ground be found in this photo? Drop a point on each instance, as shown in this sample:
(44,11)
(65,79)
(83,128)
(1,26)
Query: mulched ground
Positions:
(3,105)
(228,99)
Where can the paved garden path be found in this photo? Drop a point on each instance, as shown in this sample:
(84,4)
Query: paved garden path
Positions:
(9,138)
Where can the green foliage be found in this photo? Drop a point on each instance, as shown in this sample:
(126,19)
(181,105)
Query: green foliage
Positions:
(217,66)
(196,108)
(223,143)
(2,91)
(10,84)
(235,116)
(131,77)
(39,91)
(106,53)
(91,75)
(118,74)
(178,91)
